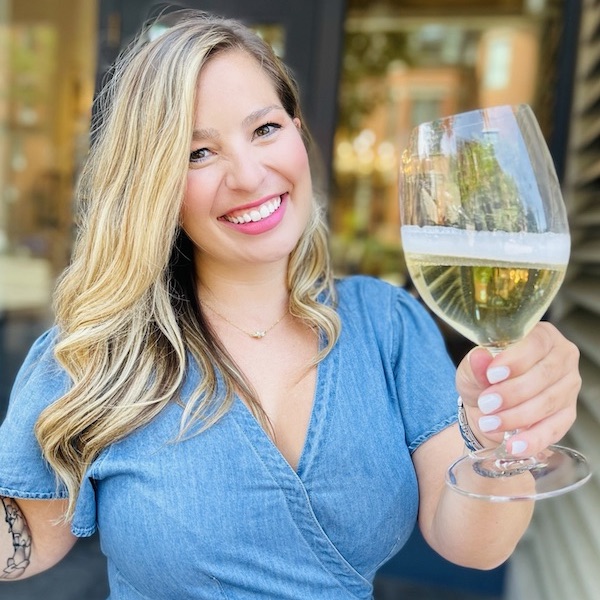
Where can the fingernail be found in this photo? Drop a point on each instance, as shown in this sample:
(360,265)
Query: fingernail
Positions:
(489,423)
(518,447)
(489,403)
(496,374)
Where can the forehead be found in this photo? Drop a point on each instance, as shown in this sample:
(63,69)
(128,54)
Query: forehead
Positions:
(234,74)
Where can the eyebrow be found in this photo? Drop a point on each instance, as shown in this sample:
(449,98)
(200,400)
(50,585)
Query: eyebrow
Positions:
(210,133)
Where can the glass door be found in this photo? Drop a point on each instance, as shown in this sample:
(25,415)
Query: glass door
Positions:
(47,67)
(307,34)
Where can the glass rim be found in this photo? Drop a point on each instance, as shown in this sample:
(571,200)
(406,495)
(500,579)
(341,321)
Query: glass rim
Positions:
(514,109)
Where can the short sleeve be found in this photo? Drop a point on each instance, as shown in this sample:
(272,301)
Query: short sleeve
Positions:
(425,374)
(85,518)
(23,471)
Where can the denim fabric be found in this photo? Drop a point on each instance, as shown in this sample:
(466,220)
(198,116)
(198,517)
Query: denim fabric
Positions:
(222,514)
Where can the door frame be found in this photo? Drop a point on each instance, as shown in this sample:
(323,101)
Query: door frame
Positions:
(313,49)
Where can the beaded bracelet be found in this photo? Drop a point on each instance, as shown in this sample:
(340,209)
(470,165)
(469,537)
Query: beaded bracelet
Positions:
(471,442)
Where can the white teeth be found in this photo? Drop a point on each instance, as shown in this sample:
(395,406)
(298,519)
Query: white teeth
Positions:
(257,214)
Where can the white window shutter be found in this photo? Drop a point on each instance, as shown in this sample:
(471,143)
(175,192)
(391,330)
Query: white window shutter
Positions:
(559,557)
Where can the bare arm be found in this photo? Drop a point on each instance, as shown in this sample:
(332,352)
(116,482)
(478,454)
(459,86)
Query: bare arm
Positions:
(20,538)
(470,532)
(532,387)
(30,539)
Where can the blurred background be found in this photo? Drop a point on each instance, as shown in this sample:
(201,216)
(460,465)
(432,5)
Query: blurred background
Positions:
(368,72)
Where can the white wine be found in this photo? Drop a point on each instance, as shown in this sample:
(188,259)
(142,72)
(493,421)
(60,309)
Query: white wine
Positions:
(492,287)
(486,240)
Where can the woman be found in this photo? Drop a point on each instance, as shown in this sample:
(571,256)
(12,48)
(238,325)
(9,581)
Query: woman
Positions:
(236,423)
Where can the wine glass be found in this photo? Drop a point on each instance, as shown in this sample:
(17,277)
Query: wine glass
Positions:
(486,242)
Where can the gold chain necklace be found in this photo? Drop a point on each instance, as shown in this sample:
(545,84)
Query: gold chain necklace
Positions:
(257,335)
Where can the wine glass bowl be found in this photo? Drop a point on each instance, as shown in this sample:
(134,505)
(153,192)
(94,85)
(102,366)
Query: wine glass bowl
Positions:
(486,241)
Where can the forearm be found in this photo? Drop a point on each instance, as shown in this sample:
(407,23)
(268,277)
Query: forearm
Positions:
(476,533)
(15,541)
(468,531)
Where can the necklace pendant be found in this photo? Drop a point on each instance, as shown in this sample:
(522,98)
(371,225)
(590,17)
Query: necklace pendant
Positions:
(258,334)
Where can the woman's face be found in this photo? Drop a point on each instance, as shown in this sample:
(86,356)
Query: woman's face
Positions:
(249,192)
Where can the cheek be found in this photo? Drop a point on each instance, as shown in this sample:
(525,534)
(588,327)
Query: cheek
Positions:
(193,211)
(187,204)
(298,157)
(196,196)
(299,174)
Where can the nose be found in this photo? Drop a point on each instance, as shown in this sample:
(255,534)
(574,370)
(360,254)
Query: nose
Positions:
(245,172)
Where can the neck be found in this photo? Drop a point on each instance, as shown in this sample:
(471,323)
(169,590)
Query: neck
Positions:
(251,289)
(252,308)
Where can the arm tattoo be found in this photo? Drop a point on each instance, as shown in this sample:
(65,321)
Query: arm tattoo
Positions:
(21,541)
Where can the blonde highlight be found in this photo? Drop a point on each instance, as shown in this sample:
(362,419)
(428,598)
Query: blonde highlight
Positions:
(126,309)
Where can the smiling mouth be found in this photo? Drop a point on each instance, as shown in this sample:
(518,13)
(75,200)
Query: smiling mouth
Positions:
(256,214)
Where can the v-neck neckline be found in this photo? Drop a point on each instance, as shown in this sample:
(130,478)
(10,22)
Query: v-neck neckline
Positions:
(315,430)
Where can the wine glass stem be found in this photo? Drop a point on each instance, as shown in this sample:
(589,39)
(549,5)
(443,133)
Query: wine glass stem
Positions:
(502,450)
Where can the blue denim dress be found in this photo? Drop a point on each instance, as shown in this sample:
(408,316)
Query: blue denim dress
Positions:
(222,515)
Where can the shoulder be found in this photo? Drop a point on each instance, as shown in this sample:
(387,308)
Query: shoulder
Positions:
(388,314)
(355,289)
(43,347)
(362,296)
(40,379)
(40,382)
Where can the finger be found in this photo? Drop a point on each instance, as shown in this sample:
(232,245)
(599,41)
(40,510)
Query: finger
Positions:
(528,442)
(479,361)
(541,379)
(471,377)
(543,341)
(561,397)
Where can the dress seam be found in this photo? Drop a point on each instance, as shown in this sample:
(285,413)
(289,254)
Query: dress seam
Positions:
(351,571)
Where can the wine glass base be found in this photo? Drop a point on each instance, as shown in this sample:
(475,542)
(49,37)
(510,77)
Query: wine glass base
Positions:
(487,475)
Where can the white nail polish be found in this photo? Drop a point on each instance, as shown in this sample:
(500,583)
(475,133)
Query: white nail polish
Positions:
(518,447)
(489,423)
(488,403)
(497,374)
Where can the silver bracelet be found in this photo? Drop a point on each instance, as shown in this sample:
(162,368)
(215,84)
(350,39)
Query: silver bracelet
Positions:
(471,442)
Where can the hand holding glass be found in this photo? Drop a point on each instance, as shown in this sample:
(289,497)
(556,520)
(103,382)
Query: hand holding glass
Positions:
(486,242)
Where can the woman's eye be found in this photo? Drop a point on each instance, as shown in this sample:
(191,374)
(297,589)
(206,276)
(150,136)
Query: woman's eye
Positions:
(200,155)
(266,129)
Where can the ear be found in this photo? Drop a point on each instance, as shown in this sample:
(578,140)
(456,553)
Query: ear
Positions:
(297,122)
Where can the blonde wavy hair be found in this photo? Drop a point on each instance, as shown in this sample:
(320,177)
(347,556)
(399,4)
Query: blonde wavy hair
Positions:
(126,308)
